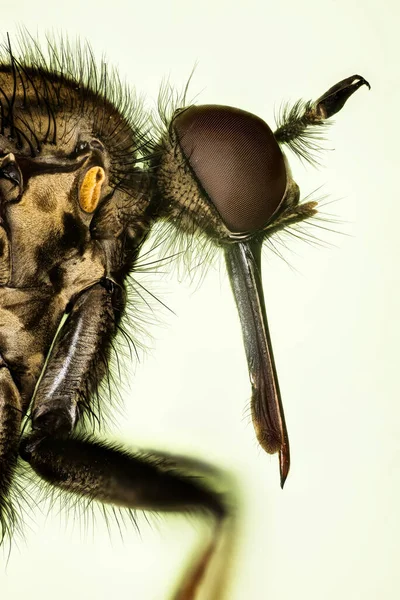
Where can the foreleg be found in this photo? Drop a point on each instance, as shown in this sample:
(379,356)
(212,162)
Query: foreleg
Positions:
(77,362)
(94,470)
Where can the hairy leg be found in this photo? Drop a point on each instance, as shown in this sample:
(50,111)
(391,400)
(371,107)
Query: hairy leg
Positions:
(76,364)
(96,471)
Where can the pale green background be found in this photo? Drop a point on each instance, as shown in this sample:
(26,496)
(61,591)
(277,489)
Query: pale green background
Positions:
(333,532)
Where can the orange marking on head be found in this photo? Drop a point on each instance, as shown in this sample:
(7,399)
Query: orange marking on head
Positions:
(89,194)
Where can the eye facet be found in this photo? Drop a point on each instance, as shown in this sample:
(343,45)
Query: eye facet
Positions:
(236,160)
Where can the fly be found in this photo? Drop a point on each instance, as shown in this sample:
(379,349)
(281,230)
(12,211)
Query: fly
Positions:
(82,182)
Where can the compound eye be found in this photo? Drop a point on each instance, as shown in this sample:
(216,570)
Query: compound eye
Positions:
(236,160)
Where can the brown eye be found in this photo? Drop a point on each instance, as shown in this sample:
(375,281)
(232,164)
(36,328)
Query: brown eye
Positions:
(237,162)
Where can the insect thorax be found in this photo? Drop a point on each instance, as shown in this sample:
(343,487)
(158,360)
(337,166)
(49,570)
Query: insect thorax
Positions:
(54,133)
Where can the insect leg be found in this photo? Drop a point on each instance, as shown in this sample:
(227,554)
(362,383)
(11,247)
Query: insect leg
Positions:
(97,471)
(303,115)
(94,470)
(75,368)
(10,426)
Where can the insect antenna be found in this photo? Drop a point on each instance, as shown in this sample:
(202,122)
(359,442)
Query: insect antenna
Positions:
(304,139)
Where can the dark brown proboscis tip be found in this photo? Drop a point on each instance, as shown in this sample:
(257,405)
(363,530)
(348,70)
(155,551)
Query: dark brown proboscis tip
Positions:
(237,162)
